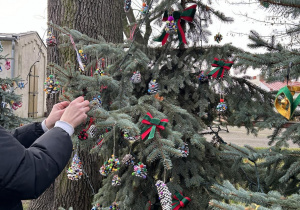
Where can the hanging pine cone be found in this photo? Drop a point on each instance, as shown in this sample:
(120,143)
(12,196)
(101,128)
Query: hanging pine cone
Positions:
(74,172)
(140,170)
(221,107)
(184,150)
(128,160)
(165,196)
(153,87)
(116,181)
(218,37)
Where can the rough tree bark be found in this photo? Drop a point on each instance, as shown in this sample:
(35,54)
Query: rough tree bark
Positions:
(91,17)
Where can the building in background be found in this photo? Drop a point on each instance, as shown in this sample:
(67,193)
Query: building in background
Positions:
(28,59)
(271,86)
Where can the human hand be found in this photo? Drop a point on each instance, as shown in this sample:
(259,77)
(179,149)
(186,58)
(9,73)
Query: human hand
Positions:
(75,113)
(56,113)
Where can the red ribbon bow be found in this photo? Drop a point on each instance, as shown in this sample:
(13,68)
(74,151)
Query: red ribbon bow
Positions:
(179,200)
(151,125)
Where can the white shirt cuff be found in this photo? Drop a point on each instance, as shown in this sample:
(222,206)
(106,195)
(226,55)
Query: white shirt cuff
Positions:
(65,126)
(44,127)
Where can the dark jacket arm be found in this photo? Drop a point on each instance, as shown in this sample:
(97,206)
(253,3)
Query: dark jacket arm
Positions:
(39,165)
(27,134)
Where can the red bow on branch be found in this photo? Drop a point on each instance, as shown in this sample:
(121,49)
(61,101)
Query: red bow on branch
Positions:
(151,125)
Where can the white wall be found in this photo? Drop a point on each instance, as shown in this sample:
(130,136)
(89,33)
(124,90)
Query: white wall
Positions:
(26,53)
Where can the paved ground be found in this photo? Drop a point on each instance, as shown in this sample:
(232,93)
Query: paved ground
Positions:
(239,137)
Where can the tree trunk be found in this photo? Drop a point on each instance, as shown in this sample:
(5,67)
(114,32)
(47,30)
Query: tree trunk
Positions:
(93,18)
(45,201)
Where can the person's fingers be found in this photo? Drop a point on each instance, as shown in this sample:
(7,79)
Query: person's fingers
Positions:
(85,116)
(64,104)
(79,99)
(85,103)
(86,109)
(61,111)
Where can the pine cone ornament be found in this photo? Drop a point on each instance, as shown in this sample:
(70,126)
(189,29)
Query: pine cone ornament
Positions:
(51,40)
(218,37)
(140,170)
(51,85)
(116,181)
(136,77)
(222,107)
(171,26)
(112,165)
(129,138)
(184,150)
(74,172)
(165,196)
(153,87)
(114,206)
(128,160)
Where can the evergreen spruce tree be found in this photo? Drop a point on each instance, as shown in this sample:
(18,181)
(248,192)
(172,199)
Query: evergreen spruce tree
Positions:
(9,100)
(184,106)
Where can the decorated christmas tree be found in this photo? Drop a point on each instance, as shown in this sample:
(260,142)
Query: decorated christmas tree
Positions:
(9,100)
(149,105)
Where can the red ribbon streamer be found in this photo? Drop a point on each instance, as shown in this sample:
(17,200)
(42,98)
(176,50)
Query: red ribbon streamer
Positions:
(132,31)
(187,18)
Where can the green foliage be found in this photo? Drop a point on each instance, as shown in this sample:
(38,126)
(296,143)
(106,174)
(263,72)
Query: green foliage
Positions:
(267,177)
(8,119)
(270,200)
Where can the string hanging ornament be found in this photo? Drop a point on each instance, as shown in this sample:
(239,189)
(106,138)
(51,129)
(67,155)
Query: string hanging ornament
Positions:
(51,40)
(152,87)
(16,105)
(83,57)
(116,181)
(7,65)
(96,103)
(171,26)
(128,160)
(75,172)
(114,206)
(130,138)
(136,77)
(127,5)
(111,165)
(222,106)
(100,66)
(202,78)
(165,196)
(140,170)
(52,86)
(218,37)
(145,8)
(184,150)
(21,84)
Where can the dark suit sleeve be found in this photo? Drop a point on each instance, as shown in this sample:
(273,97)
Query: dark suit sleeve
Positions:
(27,173)
(27,134)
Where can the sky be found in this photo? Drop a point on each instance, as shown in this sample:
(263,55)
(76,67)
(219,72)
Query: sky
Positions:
(31,15)
(19,16)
